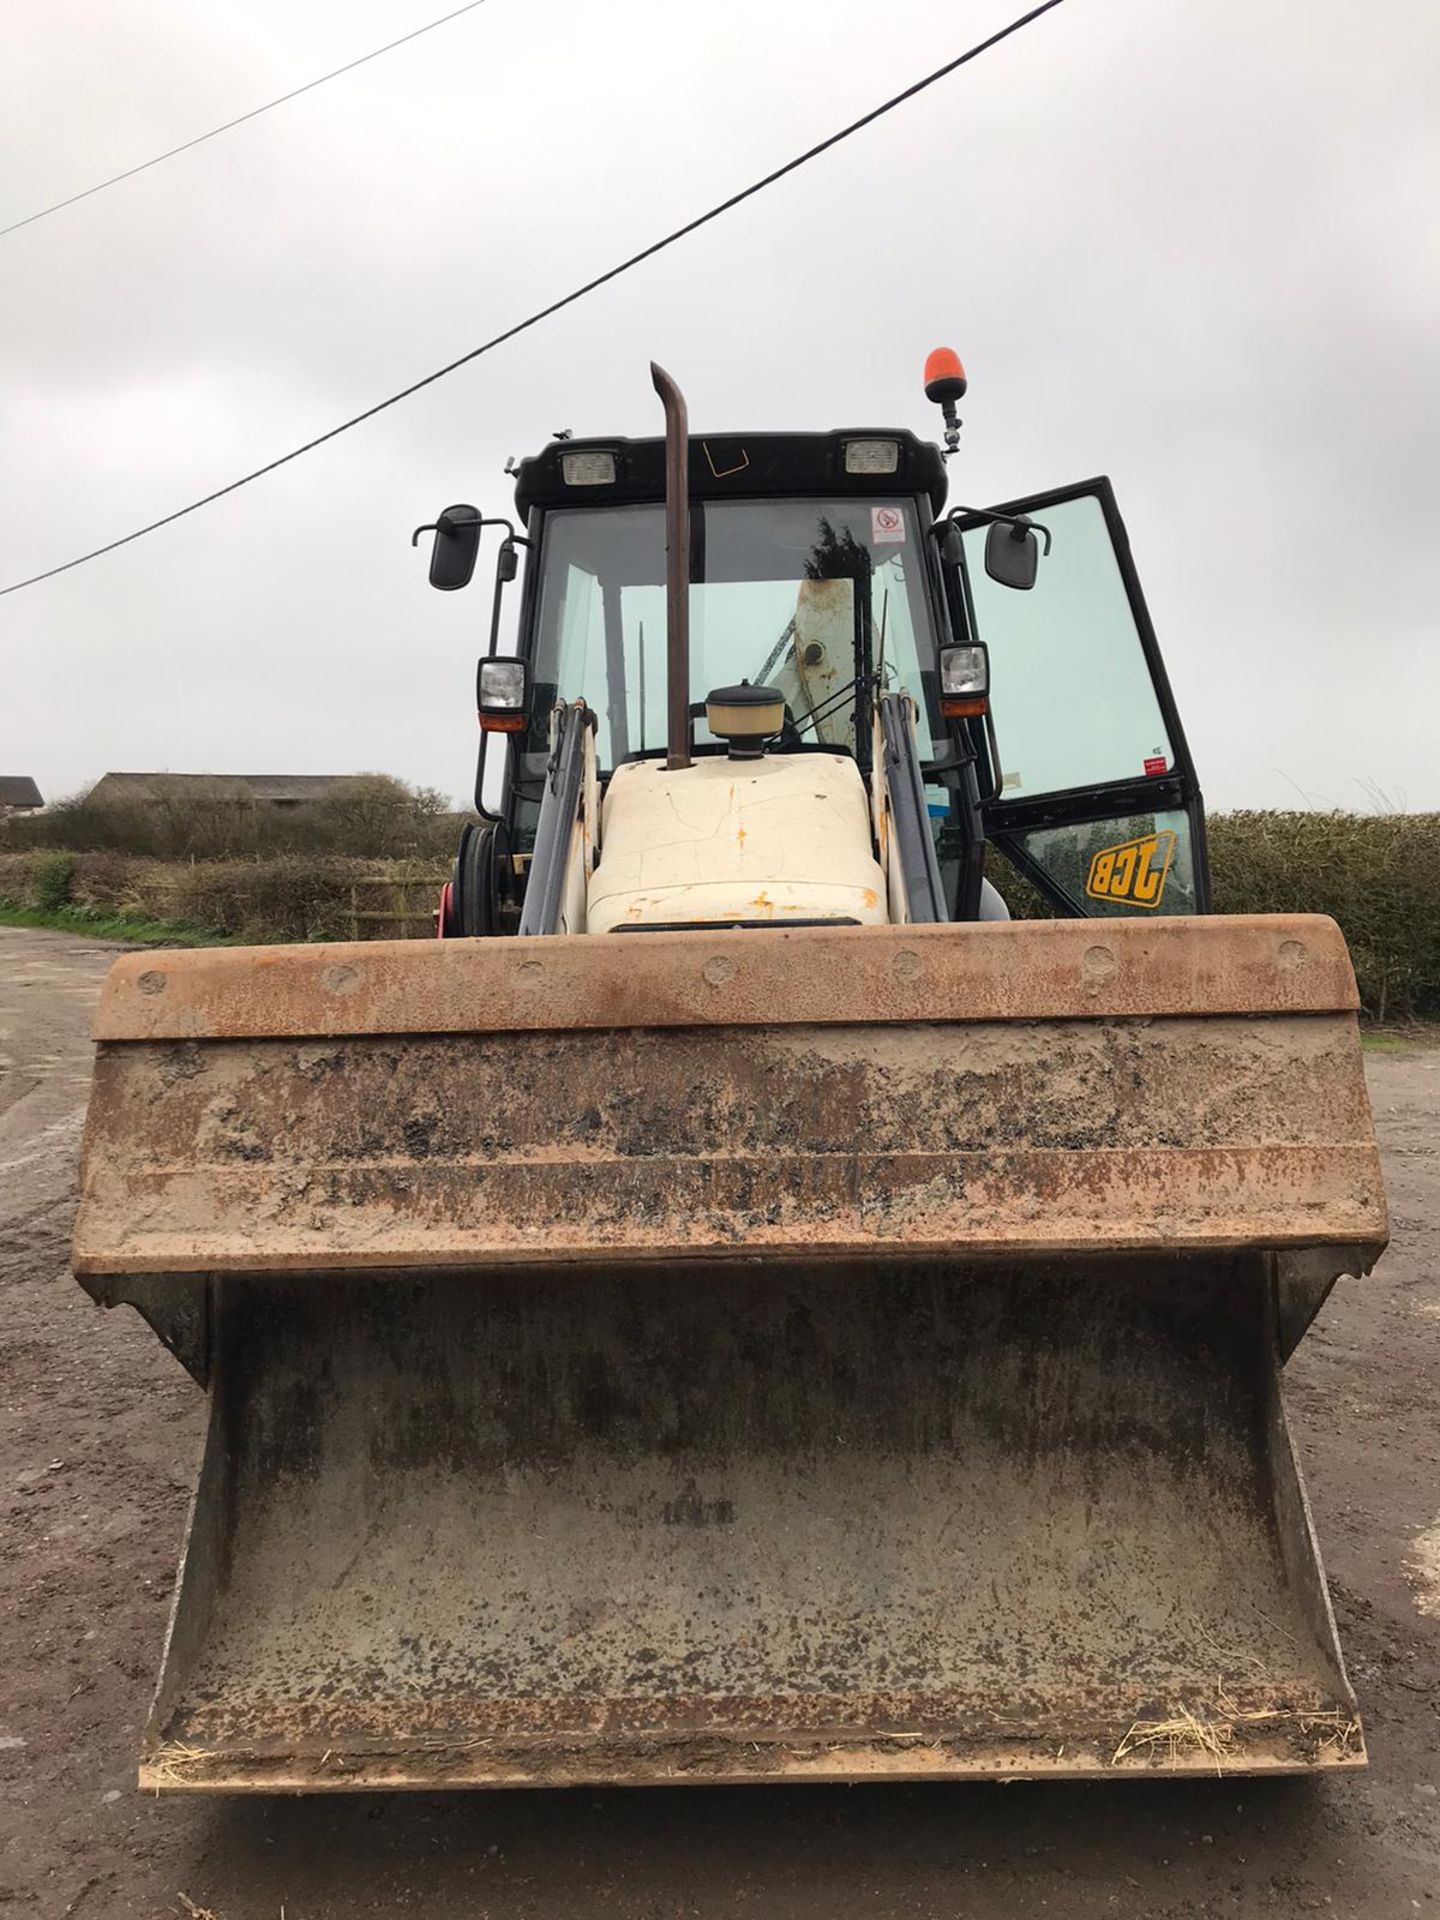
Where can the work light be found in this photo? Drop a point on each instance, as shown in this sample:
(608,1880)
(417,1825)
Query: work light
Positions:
(872,456)
(588,469)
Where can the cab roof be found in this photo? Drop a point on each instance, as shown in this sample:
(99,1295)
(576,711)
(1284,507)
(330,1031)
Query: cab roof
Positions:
(725,466)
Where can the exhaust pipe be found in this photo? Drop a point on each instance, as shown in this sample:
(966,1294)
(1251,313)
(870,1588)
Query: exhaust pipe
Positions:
(677,569)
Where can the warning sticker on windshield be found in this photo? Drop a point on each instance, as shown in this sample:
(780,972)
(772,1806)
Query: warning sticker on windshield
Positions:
(886,523)
(1133,872)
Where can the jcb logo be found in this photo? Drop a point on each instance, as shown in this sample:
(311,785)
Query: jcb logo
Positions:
(1134,871)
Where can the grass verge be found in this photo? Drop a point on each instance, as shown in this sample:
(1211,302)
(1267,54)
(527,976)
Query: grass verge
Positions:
(98,924)
(1419,1033)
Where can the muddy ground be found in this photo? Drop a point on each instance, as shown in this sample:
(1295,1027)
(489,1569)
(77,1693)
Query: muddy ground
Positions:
(99,1437)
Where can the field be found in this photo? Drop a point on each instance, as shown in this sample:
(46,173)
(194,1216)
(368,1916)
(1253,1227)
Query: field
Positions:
(99,1437)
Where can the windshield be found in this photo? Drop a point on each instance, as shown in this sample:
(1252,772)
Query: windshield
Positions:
(803,595)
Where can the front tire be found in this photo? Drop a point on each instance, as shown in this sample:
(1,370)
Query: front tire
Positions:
(480,884)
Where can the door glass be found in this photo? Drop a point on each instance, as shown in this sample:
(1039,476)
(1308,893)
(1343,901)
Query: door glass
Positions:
(1140,863)
(1070,687)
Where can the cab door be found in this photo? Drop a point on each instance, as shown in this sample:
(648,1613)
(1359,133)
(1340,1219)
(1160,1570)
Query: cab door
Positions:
(1093,795)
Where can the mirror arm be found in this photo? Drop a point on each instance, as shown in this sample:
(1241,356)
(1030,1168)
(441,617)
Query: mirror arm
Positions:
(1019,528)
(1018,524)
(503,577)
(502,580)
(484,521)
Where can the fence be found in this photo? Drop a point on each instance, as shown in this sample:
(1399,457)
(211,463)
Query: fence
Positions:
(413,919)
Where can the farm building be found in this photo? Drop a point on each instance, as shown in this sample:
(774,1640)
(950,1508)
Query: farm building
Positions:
(284,791)
(19,794)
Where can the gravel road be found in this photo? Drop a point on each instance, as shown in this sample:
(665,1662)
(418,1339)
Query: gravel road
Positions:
(99,1439)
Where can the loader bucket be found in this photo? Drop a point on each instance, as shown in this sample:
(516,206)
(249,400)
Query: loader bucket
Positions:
(810,1354)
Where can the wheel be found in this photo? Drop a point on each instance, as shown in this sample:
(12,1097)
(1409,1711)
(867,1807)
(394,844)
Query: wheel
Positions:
(481,883)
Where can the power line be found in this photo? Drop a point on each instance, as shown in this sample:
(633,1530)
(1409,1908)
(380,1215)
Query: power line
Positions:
(239,121)
(544,313)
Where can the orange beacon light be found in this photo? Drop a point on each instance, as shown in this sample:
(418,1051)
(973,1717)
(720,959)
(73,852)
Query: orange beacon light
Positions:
(945,383)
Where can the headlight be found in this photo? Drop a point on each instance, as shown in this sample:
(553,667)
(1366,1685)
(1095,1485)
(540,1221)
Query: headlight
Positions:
(964,681)
(502,695)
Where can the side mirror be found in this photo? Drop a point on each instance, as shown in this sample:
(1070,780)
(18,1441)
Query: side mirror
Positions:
(457,546)
(1012,554)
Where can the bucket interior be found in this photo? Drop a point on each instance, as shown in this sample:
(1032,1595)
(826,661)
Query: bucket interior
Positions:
(729,1522)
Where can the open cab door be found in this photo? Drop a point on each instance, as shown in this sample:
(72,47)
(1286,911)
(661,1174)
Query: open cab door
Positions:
(1094,797)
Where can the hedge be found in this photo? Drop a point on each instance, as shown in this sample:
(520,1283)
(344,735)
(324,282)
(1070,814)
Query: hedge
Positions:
(1378,875)
(365,815)
(290,898)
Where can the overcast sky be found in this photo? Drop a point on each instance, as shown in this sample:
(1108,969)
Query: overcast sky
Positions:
(1191,246)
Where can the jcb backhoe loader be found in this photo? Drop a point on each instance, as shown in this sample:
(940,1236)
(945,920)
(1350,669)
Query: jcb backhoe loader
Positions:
(739,1305)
